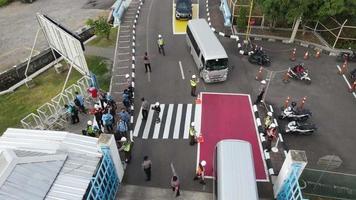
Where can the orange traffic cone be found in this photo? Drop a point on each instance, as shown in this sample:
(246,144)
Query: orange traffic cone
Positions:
(292,55)
(259,74)
(286,102)
(198,100)
(286,77)
(302,102)
(306,55)
(317,54)
(353,87)
(343,68)
(200,138)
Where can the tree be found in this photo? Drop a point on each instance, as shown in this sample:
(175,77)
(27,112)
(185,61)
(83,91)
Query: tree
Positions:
(241,19)
(101,27)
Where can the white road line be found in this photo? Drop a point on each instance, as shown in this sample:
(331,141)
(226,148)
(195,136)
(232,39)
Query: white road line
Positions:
(124,60)
(124,47)
(178,120)
(168,122)
(124,36)
(187,121)
(148,125)
(158,126)
(123,53)
(123,67)
(122,41)
(197,117)
(138,123)
(120,83)
(181,69)
(148,23)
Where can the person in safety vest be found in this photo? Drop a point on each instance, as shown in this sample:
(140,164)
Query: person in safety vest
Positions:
(193,85)
(126,147)
(192,134)
(200,173)
(268,120)
(160,43)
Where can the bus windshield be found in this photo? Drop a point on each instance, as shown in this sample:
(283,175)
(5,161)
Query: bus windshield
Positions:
(217,64)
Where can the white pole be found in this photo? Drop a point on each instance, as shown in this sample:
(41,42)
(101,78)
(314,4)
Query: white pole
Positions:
(338,35)
(29,58)
(275,148)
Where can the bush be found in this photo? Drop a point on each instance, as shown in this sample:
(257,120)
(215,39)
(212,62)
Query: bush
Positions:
(4,2)
(241,19)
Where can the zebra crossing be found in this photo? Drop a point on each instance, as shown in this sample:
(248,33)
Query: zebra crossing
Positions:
(175,122)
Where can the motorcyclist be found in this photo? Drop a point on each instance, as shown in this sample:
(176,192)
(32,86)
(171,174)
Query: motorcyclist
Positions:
(292,109)
(299,69)
(268,120)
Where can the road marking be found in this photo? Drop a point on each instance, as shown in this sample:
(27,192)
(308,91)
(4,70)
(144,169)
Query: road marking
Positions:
(138,123)
(124,47)
(148,125)
(120,83)
(123,53)
(147,23)
(181,69)
(124,35)
(178,121)
(187,121)
(125,60)
(168,122)
(158,126)
(122,41)
(123,67)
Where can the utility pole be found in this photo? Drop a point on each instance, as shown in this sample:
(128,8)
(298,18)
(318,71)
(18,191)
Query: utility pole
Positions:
(248,31)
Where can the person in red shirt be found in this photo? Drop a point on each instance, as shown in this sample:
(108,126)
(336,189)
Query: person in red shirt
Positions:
(93,92)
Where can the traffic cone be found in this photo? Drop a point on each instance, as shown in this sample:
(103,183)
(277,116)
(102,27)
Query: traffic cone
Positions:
(317,54)
(343,68)
(306,55)
(292,55)
(302,102)
(198,100)
(286,77)
(259,74)
(353,87)
(200,138)
(286,102)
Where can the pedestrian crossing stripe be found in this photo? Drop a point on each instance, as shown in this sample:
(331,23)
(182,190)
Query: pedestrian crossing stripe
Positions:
(175,122)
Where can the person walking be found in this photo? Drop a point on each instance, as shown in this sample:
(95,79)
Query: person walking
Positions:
(200,173)
(193,85)
(160,43)
(268,120)
(145,108)
(262,90)
(192,134)
(107,119)
(125,116)
(146,166)
(126,147)
(157,109)
(79,101)
(146,61)
(98,113)
(175,185)
(121,129)
(271,134)
(73,112)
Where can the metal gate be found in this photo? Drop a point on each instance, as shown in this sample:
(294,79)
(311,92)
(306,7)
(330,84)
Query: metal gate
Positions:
(104,185)
(291,189)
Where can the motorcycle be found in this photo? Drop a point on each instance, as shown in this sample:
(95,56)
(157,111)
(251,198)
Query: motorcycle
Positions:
(259,57)
(295,127)
(295,115)
(353,75)
(347,56)
(303,76)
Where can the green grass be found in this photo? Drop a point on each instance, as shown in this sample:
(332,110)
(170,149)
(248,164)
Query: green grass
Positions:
(102,41)
(17,105)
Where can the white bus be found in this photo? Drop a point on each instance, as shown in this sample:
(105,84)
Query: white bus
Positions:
(207,51)
(234,171)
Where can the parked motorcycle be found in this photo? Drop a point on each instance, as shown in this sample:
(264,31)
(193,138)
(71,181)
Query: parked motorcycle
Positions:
(301,128)
(293,114)
(353,75)
(259,57)
(347,56)
(299,72)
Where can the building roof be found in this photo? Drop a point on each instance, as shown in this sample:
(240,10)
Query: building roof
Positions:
(38,164)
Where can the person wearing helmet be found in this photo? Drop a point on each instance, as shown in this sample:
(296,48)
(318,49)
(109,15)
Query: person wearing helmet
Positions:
(126,147)
(90,130)
(268,120)
(160,43)
(192,134)
(157,110)
(262,90)
(193,85)
(200,173)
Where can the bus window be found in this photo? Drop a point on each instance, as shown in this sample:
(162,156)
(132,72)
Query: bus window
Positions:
(216,64)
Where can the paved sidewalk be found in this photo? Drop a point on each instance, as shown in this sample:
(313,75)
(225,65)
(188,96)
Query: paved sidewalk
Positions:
(132,192)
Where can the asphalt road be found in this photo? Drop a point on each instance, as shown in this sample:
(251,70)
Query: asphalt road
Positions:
(332,106)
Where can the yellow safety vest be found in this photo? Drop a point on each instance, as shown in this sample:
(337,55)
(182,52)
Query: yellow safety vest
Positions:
(160,42)
(193,83)
(127,146)
(192,131)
